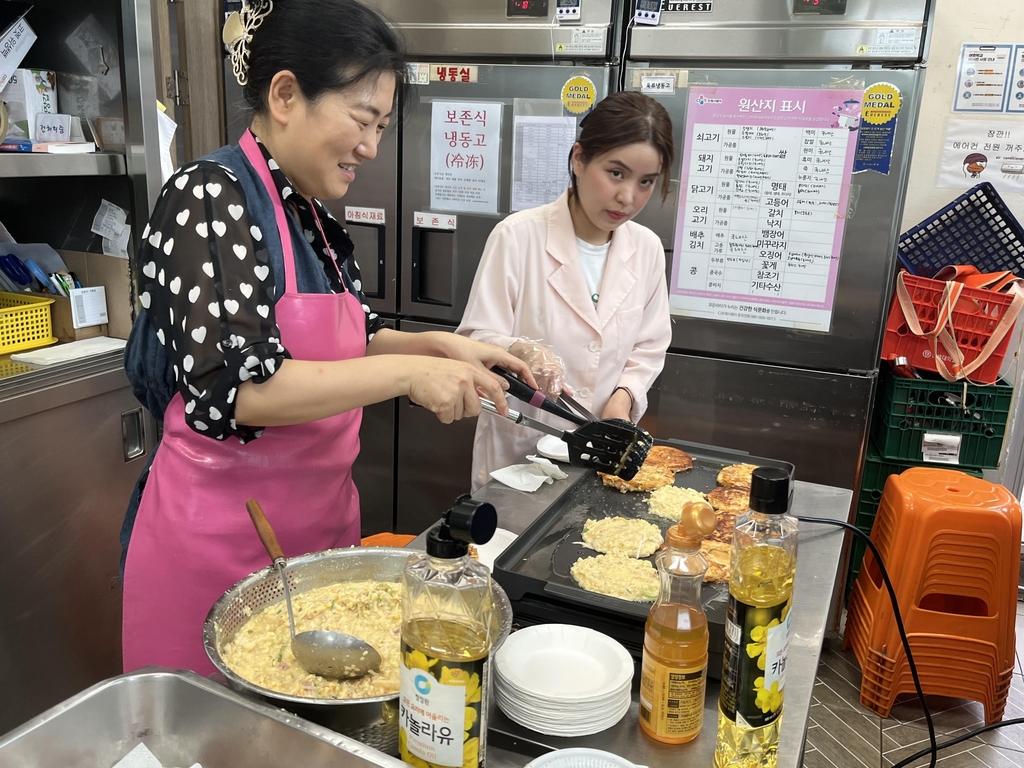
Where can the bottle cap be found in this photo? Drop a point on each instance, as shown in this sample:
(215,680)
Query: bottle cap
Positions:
(697,521)
(769,491)
(467,522)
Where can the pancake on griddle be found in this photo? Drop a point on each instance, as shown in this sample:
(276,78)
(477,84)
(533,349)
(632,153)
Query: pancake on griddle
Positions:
(618,576)
(668,502)
(733,500)
(736,475)
(622,536)
(658,470)
(717,554)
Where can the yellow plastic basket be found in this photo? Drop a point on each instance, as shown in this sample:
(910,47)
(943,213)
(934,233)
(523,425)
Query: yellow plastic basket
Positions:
(24,323)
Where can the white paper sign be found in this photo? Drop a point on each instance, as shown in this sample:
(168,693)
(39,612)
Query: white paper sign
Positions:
(983,151)
(941,448)
(465,155)
(893,42)
(364,215)
(435,220)
(1015,99)
(658,85)
(118,247)
(109,220)
(540,159)
(982,77)
(53,127)
(88,306)
(166,128)
(13,47)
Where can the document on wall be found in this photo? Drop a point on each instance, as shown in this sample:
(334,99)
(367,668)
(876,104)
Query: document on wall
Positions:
(762,205)
(974,152)
(983,74)
(465,156)
(540,159)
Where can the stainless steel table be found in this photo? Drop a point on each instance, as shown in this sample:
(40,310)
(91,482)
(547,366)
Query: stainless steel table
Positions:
(509,744)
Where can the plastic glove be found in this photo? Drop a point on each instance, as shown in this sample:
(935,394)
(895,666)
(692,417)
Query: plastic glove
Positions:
(546,366)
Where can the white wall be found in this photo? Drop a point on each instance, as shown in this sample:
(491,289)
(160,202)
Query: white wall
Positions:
(956,22)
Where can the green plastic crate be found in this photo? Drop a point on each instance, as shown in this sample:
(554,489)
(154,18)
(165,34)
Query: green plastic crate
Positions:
(876,471)
(907,408)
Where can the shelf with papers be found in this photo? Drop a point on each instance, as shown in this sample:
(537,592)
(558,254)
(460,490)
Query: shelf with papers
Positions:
(15,165)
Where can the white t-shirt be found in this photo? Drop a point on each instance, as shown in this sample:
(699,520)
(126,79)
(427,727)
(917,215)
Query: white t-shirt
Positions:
(592,258)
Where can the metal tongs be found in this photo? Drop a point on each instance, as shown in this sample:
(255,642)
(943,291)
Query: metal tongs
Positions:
(614,446)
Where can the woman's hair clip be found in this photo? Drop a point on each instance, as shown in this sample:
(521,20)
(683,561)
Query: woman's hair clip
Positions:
(238,29)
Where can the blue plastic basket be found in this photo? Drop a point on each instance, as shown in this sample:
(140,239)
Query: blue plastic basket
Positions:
(977,229)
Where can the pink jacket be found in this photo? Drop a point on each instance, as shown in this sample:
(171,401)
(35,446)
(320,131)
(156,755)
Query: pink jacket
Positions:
(530,285)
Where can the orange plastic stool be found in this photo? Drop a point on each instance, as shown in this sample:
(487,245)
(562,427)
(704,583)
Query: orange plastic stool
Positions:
(951,544)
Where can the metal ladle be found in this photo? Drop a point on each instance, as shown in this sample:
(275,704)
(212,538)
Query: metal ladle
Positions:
(329,654)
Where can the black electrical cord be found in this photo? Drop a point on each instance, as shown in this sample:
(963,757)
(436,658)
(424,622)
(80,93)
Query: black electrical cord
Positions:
(934,747)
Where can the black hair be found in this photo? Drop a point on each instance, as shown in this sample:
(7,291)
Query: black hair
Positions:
(329,45)
(627,117)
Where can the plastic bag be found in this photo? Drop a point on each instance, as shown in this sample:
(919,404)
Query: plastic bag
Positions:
(545,365)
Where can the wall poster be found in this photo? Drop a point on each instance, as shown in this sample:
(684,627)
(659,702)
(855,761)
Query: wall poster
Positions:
(762,204)
(465,144)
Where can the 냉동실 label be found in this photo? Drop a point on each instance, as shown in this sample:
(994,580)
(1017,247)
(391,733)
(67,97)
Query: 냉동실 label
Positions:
(762,206)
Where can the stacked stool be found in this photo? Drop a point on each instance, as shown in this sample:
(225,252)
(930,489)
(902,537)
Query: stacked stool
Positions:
(951,545)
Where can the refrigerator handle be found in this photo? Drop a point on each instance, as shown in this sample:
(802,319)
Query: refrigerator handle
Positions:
(380,257)
(433,266)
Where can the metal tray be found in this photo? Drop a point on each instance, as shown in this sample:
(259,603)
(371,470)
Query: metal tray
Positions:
(182,719)
(534,570)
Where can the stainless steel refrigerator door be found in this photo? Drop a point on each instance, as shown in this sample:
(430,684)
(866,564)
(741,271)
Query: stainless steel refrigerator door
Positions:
(868,255)
(463,28)
(373,196)
(817,421)
(770,30)
(374,470)
(438,266)
(434,459)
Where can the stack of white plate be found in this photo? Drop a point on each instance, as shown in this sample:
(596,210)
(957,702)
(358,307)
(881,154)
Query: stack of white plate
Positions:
(562,680)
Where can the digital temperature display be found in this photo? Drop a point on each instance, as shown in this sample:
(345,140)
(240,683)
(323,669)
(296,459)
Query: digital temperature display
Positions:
(527,8)
(820,7)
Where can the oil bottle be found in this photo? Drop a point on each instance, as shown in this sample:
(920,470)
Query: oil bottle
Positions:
(675,660)
(763,562)
(447,634)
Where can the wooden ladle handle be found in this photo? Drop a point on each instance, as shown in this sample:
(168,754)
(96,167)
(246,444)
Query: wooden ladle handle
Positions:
(266,533)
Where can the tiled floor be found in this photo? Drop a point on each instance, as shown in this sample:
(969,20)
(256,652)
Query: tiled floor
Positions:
(843,734)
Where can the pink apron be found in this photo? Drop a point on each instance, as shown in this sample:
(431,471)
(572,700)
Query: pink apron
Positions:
(193,538)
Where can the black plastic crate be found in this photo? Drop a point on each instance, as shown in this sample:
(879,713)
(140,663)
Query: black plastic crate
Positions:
(907,408)
(977,228)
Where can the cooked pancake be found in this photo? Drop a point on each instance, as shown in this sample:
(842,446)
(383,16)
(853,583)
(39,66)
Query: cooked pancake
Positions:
(670,458)
(622,536)
(659,469)
(724,527)
(736,475)
(617,576)
(734,500)
(649,478)
(668,501)
(717,555)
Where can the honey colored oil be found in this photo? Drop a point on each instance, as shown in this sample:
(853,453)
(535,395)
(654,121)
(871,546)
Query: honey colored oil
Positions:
(762,577)
(446,640)
(677,638)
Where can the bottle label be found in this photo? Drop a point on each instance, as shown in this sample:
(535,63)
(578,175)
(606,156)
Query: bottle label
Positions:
(754,665)
(671,699)
(441,711)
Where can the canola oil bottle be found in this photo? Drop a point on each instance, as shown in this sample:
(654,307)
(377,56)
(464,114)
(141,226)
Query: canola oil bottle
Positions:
(446,642)
(675,660)
(763,562)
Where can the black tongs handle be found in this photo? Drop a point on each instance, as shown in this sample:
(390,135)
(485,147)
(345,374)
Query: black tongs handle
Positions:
(536,398)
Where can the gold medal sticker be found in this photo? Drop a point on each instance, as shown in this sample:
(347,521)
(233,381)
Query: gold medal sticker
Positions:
(579,95)
(882,102)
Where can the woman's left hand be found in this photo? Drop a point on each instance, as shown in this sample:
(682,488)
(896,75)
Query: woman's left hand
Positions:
(485,355)
(618,407)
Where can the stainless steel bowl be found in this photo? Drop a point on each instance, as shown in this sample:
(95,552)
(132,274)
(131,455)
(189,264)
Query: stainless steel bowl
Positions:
(373,721)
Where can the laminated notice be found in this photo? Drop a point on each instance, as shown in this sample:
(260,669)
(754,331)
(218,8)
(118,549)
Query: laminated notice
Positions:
(941,447)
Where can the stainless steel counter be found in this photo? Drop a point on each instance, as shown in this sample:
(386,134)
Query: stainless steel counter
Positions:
(512,745)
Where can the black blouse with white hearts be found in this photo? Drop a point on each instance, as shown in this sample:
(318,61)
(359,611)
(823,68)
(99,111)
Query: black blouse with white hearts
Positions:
(200,251)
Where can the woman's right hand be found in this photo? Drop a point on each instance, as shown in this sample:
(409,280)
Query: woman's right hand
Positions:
(452,389)
(545,365)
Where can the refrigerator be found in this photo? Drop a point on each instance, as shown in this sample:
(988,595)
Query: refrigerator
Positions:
(498,89)
(794,123)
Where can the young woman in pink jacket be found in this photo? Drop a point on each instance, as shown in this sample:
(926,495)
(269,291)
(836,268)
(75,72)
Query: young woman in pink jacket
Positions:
(575,288)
